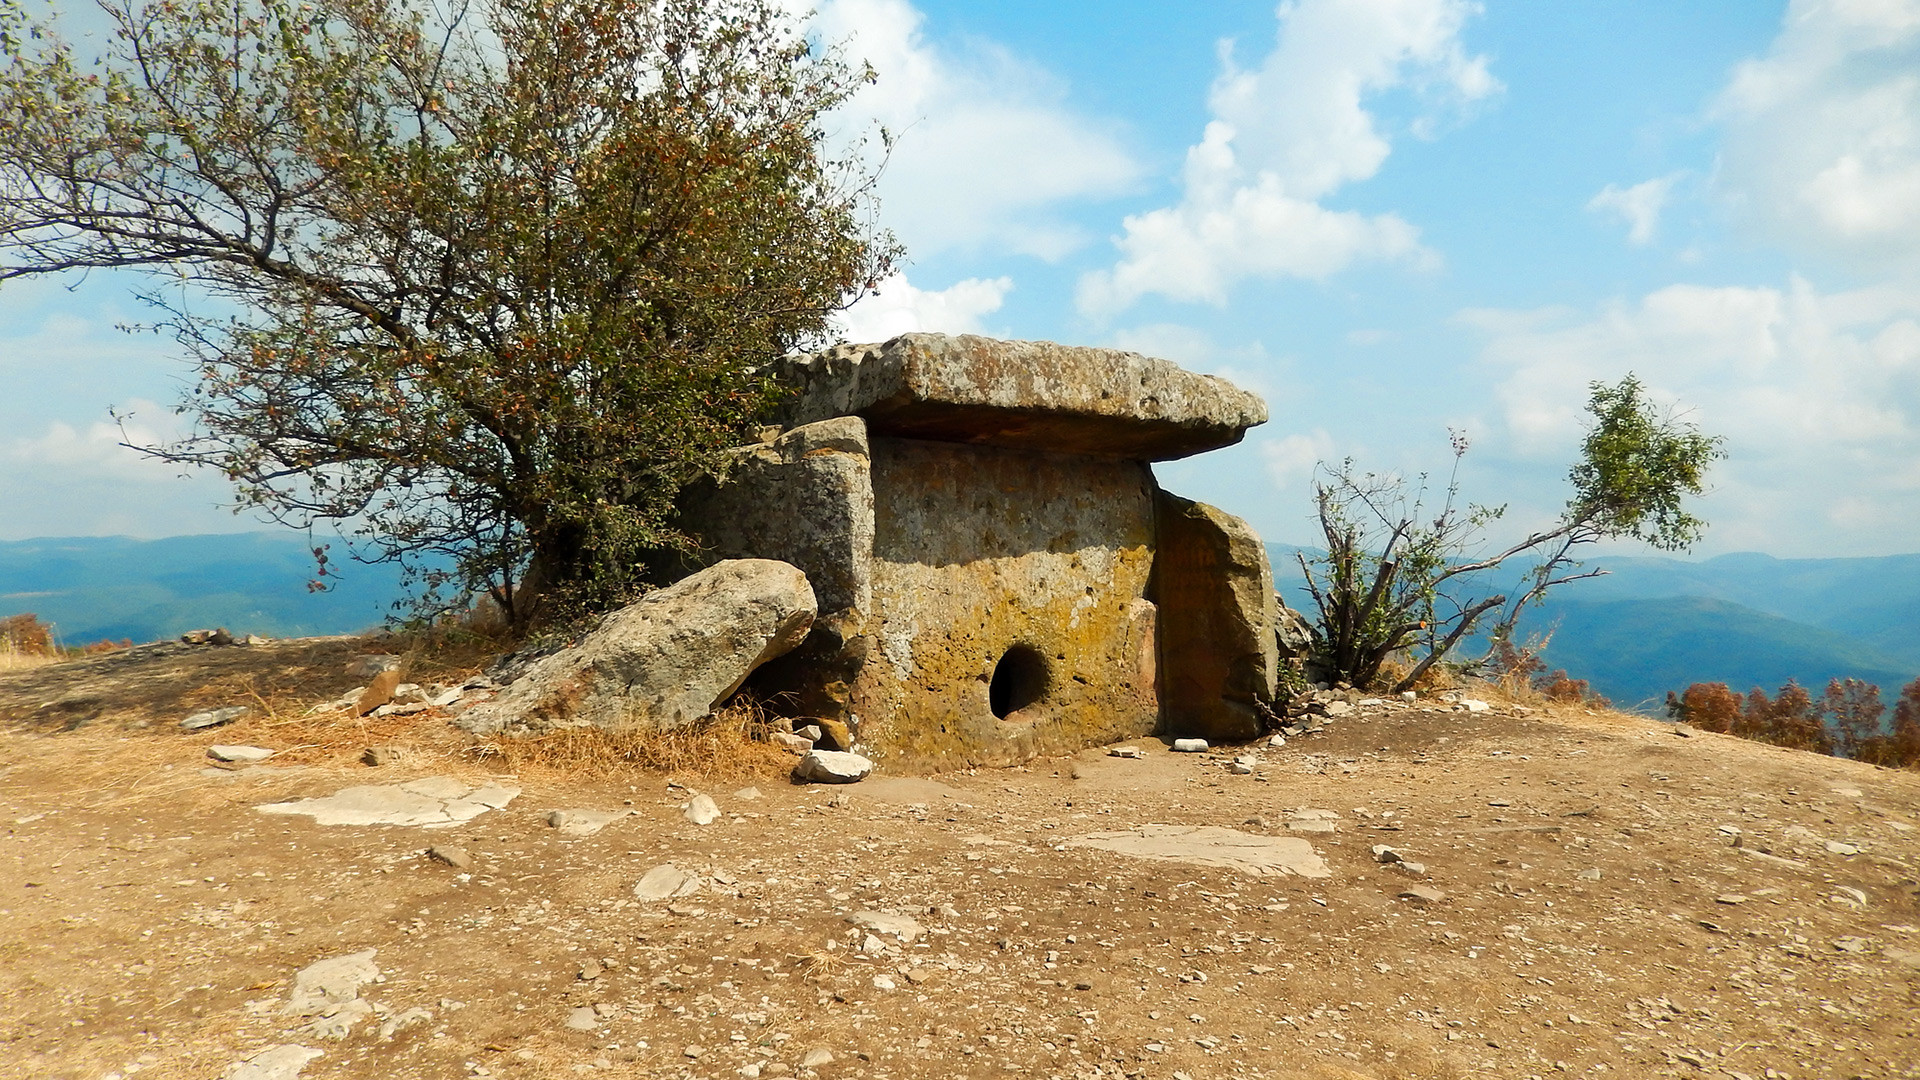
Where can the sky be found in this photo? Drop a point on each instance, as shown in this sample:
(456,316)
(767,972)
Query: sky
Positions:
(1391,218)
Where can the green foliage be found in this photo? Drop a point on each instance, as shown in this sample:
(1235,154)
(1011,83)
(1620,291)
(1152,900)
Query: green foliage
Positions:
(505,275)
(1401,576)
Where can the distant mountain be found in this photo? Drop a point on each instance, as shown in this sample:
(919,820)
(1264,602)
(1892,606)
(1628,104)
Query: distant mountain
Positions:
(1655,624)
(92,588)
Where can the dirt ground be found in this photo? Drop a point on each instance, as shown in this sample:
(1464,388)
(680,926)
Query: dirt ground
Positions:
(1610,898)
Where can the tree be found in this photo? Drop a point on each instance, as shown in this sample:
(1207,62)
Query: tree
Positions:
(1707,706)
(1906,725)
(1395,579)
(1796,721)
(1855,708)
(487,284)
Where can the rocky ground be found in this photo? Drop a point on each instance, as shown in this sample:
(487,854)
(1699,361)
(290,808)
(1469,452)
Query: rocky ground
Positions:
(1588,894)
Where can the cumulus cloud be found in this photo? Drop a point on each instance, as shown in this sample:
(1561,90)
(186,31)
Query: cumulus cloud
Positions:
(1817,394)
(1285,135)
(1638,206)
(1822,142)
(897,307)
(987,149)
(1291,459)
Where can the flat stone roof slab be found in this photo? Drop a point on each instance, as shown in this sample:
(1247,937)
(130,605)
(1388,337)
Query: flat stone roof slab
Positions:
(1028,394)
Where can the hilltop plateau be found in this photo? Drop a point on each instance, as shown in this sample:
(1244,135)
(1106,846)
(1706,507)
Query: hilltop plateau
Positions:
(1578,893)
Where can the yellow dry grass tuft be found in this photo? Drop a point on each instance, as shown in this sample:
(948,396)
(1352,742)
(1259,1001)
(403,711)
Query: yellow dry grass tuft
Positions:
(14,658)
(728,745)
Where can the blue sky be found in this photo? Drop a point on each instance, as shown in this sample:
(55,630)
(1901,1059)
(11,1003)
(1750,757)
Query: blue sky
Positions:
(1390,217)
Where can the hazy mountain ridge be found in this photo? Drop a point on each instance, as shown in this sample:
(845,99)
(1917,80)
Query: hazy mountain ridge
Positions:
(1656,624)
(115,587)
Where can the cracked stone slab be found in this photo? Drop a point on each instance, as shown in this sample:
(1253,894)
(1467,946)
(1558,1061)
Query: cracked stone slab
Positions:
(432,802)
(334,981)
(1211,845)
(1025,394)
(282,1062)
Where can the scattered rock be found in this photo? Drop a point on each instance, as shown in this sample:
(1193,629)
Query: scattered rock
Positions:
(832,767)
(1591,873)
(457,857)
(1422,895)
(331,982)
(1126,752)
(1277,741)
(798,744)
(582,1018)
(207,637)
(582,822)
(1853,945)
(214,717)
(747,794)
(899,926)
(413,1017)
(432,802)
(817,1057)
(377,756)
(666,882)
(811,733)
(282,1062)
(702,810)
(1384,854)
(1241,766)
(378,692)
(1409,696)
(1474,705)
(1189,746)
(1839,847)
(664,662)
(245,754)
(1210,845)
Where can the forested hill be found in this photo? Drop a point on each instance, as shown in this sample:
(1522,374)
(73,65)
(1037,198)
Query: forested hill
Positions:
(1649,626)
(94,588)
(1655,624)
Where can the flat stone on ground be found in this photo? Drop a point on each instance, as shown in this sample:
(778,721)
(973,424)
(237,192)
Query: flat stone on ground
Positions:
(242,754)
(282,1062)
(1211,845)
(666,882)
(831,767)
(582,822)
(432,802)
(901,926)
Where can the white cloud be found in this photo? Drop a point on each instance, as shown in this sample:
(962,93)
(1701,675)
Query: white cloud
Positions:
(987,149)
(1639,206)
(1823,133)
(1284,136)
(1291,459)
(897,307)
(1817,394)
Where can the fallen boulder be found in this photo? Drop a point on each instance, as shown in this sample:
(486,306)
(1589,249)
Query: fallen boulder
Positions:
(832,767)
(664,662)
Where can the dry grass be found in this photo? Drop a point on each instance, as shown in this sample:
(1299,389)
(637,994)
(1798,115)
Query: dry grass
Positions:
(13,658)
(731,744)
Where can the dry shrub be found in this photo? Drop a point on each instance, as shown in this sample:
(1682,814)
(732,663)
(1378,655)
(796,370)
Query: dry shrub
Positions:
(729,744)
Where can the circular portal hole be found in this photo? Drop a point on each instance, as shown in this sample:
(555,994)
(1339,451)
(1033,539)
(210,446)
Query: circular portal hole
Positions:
(1020,679)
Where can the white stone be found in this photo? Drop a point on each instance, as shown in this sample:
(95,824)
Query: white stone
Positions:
(666,882)
(832,767)
(1189,746)
(245,754)
(282,1062)
(702,810)
(900,926)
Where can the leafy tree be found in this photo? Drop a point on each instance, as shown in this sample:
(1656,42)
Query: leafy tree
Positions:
(1906,725)
(487,284)
(1707,706)
(1400,575)
(1856,710)
(1796,721)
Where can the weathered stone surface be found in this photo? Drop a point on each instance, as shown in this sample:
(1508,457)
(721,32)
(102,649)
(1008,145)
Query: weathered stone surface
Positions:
(1027,394)
(433,802)
(330,982)
(214,717)
(245,755)
(1210,845)
(1006,618)
(1218,650)
(831,767)
(805,498)
(378,692)
(1292,631)
(283,1062)
(664,662)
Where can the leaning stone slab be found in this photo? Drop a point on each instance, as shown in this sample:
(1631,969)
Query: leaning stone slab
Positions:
(664,662)
(1024,394)
(1219,653)
(433,802)
(1210,845)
